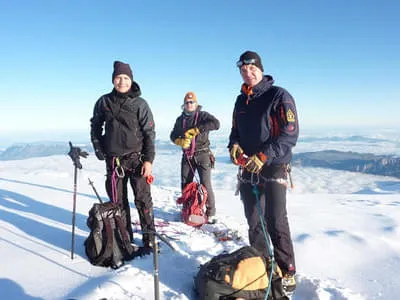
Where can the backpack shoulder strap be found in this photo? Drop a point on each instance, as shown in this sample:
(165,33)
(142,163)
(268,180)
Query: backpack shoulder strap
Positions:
(109,244)
(202,194)
(127,246)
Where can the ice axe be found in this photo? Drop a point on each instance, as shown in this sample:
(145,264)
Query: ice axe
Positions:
(75,153)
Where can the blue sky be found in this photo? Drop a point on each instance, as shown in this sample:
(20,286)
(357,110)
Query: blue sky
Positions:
(339,59)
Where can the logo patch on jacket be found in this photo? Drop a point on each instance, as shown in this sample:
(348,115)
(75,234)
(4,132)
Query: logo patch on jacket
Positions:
(290,116)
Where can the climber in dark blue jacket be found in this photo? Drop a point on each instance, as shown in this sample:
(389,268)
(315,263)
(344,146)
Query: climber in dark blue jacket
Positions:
(264,131)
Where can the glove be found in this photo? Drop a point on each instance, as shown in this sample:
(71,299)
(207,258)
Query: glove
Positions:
(255,163)
(98,150)
(183,142)
(99,154)
(75,153)
(192,132)
(235,152)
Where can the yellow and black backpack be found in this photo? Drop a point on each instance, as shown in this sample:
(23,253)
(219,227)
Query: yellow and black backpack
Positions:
(243,273)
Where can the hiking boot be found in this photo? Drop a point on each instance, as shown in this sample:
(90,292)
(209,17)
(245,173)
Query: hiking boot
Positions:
(143,251)
(212,220)
(288,284)
(148,245)
(147,240)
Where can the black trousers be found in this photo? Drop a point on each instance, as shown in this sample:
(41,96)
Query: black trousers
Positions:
(132,165)
(200,162)
(272,197)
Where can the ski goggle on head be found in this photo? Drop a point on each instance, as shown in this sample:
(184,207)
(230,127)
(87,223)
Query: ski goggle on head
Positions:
(251,61)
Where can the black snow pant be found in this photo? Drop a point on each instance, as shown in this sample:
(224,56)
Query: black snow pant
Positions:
(272,197)
(117,187)
(202,163)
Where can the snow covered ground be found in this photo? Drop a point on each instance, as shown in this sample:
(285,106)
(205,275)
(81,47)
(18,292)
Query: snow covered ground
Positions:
(345,228)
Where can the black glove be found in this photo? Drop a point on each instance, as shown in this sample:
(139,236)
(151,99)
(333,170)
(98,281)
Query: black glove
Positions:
(75,153)
(99,154)
(98,150)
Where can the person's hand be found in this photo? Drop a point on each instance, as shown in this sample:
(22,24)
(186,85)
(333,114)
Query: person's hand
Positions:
(255,163)
(236,152)
(99,154)
(146,169)
(183,142)
(98,151)
(192,132)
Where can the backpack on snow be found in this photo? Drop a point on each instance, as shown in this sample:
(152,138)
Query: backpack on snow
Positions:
(193,199)
(240,274)
(108,243)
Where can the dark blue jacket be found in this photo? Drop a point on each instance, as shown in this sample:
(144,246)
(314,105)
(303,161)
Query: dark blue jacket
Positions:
(265,121)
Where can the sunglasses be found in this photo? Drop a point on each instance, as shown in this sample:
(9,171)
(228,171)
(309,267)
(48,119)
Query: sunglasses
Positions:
(189,102)
(251,61)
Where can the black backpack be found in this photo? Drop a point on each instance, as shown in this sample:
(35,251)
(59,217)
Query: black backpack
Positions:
(240,274)
(108,243)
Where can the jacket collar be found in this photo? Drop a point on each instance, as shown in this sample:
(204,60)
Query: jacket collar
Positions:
(134,92)
(258,89)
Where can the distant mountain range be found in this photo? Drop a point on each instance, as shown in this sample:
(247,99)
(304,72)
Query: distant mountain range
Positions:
(387,165)
(36,149)
(42,149)
(352,138)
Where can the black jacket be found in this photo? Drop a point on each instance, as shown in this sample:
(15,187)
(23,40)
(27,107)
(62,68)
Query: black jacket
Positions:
(205,123)
(265,121)
(128,124)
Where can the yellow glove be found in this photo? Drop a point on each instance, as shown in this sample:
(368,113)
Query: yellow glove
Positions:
(235,152)
(192,132)
(183,142)
(255,163)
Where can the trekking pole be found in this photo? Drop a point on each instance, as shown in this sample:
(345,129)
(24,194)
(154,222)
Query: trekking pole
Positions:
(73,214)
(95,191)
(75,154)
(156,271)
(149,181)
(155,264)
(289,171)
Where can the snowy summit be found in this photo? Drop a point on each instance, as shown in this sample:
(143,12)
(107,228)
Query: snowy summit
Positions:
(345,228)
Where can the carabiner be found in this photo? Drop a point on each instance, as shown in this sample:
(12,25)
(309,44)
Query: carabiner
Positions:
(255,181)
(119,170)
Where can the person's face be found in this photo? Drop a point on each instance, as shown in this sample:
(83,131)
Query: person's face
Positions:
(251,75)
(122,83)
(190,105)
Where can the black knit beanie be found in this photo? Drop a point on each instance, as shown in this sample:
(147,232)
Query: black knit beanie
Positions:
(121,68)
(247,56)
